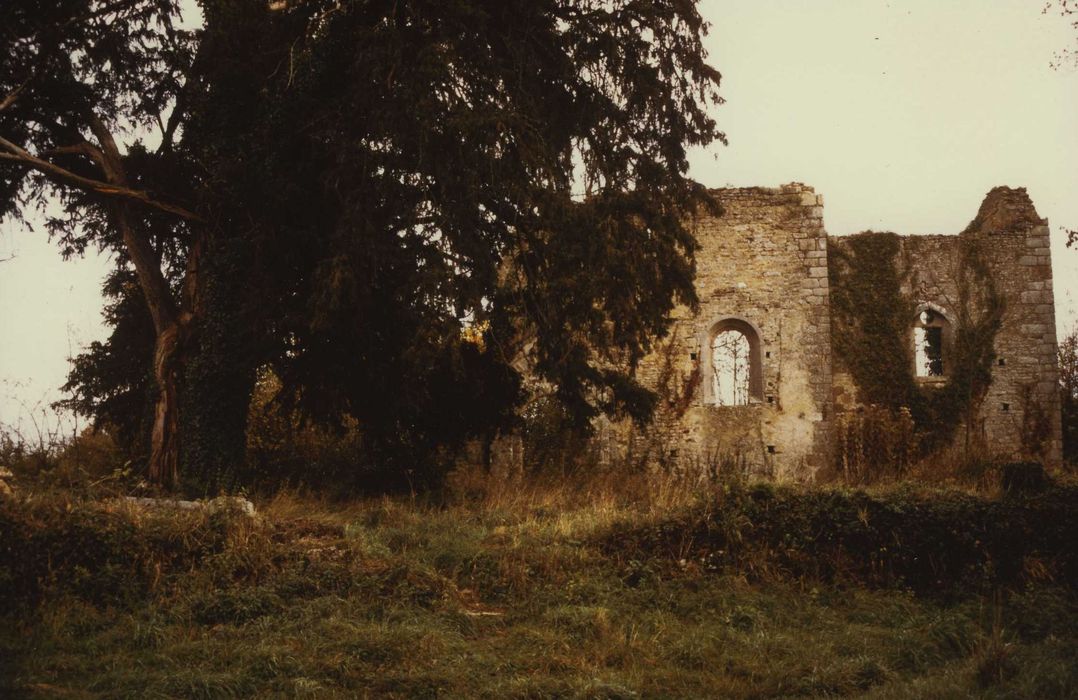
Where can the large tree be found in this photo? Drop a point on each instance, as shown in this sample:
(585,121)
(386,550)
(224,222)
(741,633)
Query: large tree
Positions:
(372,177)
(76,78)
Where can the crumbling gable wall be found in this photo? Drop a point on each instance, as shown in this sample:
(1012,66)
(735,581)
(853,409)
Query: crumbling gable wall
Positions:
(762,268)
(1021,412)
(993,285)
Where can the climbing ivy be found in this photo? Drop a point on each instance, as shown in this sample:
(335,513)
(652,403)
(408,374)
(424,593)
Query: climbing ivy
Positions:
(871,320)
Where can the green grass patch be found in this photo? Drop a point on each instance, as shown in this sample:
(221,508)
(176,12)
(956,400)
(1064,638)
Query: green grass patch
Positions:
(386,598)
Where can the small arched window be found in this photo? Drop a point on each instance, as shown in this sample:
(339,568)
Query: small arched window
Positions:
(734,364)
(931,340)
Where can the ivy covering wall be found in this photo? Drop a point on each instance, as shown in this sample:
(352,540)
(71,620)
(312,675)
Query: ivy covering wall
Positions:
(872,321)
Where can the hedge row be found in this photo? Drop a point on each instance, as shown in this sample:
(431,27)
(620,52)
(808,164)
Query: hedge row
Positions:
(930,544)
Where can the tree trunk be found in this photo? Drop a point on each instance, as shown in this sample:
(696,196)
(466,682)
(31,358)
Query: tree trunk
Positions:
(168,321)
(164,467)
(218,368)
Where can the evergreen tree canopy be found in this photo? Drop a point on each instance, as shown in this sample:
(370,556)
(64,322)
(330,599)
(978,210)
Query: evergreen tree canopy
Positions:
(398,205)
(515,165)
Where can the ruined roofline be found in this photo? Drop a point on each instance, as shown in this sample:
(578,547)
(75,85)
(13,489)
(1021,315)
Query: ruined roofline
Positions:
(794,193)
(904,236)
(790,188)
(1004,210)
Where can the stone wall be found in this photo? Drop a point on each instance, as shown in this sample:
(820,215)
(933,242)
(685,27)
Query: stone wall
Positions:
(762,263)
(1023,402)
(1019,415)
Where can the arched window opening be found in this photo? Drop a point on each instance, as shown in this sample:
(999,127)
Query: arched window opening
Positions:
(731,366)
(733,362)
(929,344)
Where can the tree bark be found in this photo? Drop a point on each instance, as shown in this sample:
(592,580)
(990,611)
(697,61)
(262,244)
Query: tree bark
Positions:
(164,467)
(169,326)
(169,321)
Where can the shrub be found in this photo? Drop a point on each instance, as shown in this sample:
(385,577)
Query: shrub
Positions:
(941,544)
(874,443)
(99,552)
(1023,477)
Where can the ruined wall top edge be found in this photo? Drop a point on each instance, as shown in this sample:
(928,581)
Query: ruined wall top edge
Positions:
(790,188)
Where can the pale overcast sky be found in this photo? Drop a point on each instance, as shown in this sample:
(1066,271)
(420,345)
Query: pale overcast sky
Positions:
(903,114)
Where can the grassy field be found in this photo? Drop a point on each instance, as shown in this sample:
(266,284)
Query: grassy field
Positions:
(531,592)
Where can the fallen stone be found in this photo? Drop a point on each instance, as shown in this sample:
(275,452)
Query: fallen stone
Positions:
(232,503)
(236,504)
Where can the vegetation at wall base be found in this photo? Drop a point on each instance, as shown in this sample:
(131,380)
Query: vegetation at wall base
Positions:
(1068,384)
(601,587)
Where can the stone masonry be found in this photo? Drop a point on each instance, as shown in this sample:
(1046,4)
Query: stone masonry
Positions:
(762,269)
(763,263)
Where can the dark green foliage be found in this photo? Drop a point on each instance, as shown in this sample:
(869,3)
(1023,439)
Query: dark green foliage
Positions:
(112,381)
(99,555)
(390,174)
(1021,478)
(1068,384)
(980,315)
(549,441)
(942,545)
(418,172)
(871,318)
(219,374)
(287,448)
(871,324)
(68,64)
(283,451)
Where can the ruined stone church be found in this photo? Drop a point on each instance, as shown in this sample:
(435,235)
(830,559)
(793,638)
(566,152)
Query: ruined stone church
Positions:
(769,369)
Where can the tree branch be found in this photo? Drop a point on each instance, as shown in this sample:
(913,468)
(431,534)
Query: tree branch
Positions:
(113,163)
(15,154)
(85,148)
(155,287)
(9,99)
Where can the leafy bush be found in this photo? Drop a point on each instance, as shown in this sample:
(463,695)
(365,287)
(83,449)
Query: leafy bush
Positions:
(56,459)
(874,443)
(1024,477)
(940,544)
(97,552)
